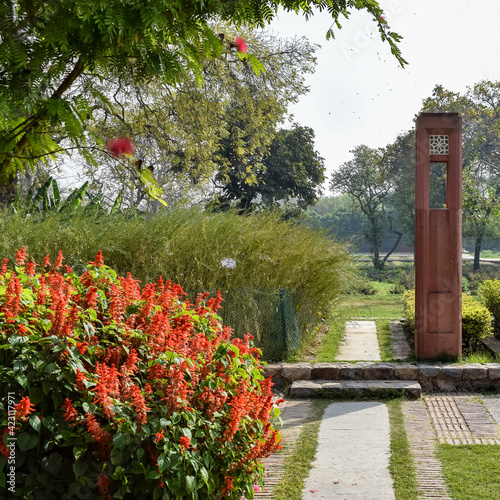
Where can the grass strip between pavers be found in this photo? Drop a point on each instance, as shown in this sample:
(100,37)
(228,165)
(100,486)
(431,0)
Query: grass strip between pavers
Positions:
(298,465)
(401,465)
(472,472)
(384,339)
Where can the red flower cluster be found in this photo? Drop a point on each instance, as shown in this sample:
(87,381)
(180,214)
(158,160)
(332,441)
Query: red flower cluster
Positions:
(139,357)
(24,408)
(120,146)
(70,413)
(241,45)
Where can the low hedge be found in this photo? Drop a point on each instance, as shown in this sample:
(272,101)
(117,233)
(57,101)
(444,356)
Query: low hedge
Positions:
(476,323)
(476,319)
(111,390)
(489,293)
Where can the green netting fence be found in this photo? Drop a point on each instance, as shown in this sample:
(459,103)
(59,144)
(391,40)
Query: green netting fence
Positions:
(268,314)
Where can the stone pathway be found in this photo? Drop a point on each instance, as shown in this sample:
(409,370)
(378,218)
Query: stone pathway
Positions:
(360,342)
(354,443)
(352,459)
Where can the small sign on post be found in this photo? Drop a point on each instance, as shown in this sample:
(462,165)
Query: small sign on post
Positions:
(228,263)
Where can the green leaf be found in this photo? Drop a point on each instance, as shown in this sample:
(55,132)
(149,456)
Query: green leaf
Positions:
(51,368)
(163,463)
(52,463)
(78,452)
(27,441)
(49,422)
(35,422)
(120,440)
(190,483)
(36,395)
(73,489)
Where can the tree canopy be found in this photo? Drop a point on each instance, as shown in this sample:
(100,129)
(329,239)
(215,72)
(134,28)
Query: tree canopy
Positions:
(190,135)
(49,52)
(290,175)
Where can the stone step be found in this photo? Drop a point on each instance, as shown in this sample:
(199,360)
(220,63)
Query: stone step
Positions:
(355,388)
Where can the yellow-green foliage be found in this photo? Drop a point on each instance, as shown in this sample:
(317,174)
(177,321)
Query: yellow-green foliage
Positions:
(409,308)
(476,319)
(489,292)
(476,322)
(187,247)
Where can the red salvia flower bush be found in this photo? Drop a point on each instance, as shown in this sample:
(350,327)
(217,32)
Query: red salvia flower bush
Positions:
(143,394)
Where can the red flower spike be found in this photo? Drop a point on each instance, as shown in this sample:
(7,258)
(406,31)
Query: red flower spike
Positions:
(4,267)
(58,261)
(24,408)
(70,413)
(120,146)
(98,260)
(103,483)
(21,256)
(241,45)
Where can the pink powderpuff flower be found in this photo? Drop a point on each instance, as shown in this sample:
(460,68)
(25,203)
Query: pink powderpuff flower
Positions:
(241,45)
(257,488)
(120,146)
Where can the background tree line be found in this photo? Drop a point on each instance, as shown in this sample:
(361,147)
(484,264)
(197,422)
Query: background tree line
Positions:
(376,189)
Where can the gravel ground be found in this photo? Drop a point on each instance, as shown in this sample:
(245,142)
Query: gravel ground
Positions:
(492,403)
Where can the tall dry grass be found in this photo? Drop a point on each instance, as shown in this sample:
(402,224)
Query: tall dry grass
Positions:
(188,245)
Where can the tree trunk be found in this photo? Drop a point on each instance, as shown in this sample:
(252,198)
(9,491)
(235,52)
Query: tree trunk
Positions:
(7,187)
(376,254)
(477,253)
(400,235)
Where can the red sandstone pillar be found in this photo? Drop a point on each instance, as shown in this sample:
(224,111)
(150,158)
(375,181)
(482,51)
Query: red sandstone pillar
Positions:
(438,239)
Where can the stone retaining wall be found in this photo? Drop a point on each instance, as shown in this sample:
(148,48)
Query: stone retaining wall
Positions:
(432,378)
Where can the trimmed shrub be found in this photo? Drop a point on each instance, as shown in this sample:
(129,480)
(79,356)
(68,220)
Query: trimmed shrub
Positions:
(489,292)
(409,308)
(476,323)
(476,319)
(125,392)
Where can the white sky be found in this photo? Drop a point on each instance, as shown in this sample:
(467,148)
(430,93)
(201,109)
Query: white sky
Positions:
(360,95)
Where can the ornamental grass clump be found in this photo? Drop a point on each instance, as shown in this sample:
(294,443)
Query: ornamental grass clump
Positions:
(125,392)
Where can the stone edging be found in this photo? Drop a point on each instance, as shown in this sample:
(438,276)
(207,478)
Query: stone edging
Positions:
(432,378)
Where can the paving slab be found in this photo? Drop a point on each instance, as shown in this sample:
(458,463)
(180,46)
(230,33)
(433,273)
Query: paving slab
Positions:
(352,458)
(360,342)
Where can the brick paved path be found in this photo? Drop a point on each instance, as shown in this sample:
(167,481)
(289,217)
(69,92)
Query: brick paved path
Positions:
(294,413)
(453,418)
(459,418)
(423,448)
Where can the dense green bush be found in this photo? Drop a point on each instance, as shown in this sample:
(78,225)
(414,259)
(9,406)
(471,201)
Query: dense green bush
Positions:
(476,323)
(476,319)
(188,246)
(489,292)
(111,390)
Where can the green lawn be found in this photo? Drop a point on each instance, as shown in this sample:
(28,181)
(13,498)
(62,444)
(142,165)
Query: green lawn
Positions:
(472,472)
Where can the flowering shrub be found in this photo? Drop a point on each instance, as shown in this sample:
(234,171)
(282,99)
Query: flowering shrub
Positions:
(123,392)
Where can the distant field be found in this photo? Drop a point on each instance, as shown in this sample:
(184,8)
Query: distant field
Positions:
(372,306)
